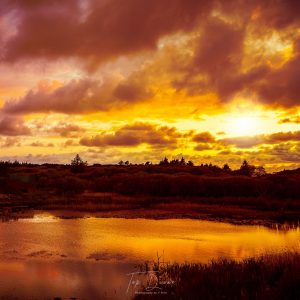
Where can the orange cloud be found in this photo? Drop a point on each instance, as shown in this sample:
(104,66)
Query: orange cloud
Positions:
(136,134)
(67,130)
(295,119)
(79,96)
(251,141)
(12,126)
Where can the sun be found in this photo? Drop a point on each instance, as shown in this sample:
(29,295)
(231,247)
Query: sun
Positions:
(244,125)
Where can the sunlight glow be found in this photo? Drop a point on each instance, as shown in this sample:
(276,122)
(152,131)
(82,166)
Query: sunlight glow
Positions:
(245,125)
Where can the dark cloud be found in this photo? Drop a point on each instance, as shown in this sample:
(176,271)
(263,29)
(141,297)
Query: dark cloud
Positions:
(204,137)
(279,13)
(203,147)
(98,31)
(217,62)
(67,130)
(74,97)
(283,137)
(216,57)
(131,92)
(295,119)
(281,86)
(79,96)
(134,135)
(102,30)
(11,126)
(284,152)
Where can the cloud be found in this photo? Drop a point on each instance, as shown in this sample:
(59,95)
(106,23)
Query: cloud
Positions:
(98,30)
(131,91)
(283,137)
(251,141)
(39,144)
(216,57)
(219,52)
(134,135)
(12,126)
(203,147)
(216,63)
(74,97)
(204,137)
(281,86)
(169,60)
(295,120)
(67,129)
(10,142)
(69,143)
(79,96)
(243,141)
(279,14)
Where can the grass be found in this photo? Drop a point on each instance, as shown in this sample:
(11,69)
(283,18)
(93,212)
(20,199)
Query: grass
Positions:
(266,277)
(153,191)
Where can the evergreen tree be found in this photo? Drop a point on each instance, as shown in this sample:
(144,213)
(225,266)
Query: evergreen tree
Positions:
(77,164)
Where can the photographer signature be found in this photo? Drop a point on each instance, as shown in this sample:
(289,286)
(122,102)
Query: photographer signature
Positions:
(152,287)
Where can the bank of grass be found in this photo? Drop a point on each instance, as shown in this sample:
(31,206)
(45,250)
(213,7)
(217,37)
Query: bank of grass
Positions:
(266,277)
(100,204)
(152,191)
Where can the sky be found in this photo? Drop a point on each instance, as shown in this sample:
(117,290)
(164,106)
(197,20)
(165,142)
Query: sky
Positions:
(213,81)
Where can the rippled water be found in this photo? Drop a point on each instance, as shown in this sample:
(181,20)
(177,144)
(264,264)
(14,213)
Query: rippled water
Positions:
(89,258)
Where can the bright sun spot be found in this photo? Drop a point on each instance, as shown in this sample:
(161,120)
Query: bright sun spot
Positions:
(244,125)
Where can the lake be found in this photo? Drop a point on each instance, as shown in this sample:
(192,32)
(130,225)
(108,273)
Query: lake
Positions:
(90,258)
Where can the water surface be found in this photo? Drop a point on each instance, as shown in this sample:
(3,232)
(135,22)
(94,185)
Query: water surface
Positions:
(89,258)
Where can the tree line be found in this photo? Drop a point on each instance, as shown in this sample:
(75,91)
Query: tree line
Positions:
(78,165)
(246,169)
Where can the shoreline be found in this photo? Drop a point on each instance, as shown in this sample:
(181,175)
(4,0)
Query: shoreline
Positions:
(215,213)
(235,210)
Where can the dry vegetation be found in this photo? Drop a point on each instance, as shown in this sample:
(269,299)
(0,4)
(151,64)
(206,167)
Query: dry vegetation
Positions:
(267,277)
(188,189)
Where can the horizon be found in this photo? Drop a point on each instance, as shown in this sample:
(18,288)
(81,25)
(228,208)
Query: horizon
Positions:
(252,170)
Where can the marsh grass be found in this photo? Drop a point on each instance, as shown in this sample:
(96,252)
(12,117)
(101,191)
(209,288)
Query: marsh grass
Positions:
(273,197)
(265,277)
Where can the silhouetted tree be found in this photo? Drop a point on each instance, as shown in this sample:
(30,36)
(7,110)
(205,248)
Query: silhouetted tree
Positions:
(164,162)
(259,171)
(16,163)
(77,164)
(246,169)
(226,168)
(121,163)
(4,165)
(190,163)
(174,162)
(182,162)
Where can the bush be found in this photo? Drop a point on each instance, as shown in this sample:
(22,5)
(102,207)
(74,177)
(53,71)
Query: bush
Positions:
(69,185)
